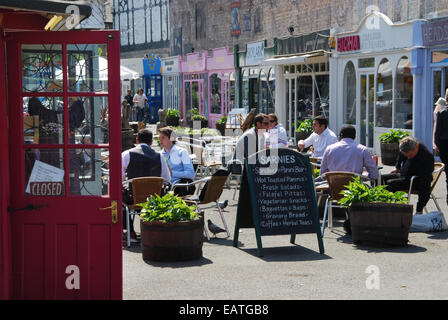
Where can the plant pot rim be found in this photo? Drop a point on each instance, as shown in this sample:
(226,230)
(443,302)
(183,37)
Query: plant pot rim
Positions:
(381,204)
(171,223)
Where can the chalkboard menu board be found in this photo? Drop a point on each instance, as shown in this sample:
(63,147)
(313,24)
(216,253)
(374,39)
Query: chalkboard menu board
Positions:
(277,195)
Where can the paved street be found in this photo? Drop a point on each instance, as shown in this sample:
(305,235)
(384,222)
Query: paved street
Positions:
(418,271)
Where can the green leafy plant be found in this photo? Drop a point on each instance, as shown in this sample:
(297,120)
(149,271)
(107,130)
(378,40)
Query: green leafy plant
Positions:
(393,136)
(198,117)
(195,111)
(316,172)
(306,126)
(223,120)
(360,192)
(169,208)
(173,113)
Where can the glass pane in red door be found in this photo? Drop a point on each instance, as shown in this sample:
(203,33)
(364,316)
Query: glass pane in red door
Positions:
(87,68)
(44,172)
(42,68)
(43,120)
(89,120)
(89,172)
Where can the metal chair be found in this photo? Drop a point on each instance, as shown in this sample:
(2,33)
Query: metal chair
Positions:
(142,188)
(210,193)
(337,182)
(438,168)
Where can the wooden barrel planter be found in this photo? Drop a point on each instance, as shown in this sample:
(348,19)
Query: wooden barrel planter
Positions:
(172,241)
(380,224)
(389,153)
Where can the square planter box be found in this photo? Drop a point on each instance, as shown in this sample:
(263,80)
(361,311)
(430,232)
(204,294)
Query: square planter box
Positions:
(381,224)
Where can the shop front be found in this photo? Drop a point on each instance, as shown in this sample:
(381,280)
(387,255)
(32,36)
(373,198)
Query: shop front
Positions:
(208,84)
(152,79)
(434,58)
(257,80)
(303,78)
(60,167)
(194,77)
(172,83)
(374,71)
(221,84)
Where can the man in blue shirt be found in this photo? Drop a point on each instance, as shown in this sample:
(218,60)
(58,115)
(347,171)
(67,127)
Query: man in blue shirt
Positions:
(179,161)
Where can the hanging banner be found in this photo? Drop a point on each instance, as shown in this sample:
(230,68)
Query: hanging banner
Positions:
(236,27)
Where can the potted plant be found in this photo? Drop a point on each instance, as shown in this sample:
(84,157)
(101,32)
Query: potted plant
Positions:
(304,130)
(389,144)
(221,125)
(203,120)
(171,230)
(172,117)
(377,216)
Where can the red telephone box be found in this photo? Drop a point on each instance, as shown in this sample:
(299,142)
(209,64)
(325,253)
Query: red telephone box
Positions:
(60,124)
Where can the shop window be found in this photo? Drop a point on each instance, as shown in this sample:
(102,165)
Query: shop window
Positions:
(264,92)
(366,63)
(299,68)
(403,95)
(215,94)
(439,56)
(245,103)
(286,69)
(305,96)
(232,91)
(383,105)
(349,94)
(292,69)
(323,67)
(271,82)
(321,101)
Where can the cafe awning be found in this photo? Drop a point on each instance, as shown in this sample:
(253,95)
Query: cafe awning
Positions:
(125,73)
(293,59)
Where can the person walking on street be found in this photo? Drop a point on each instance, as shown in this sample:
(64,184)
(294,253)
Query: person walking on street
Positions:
(140,101)
(441,141)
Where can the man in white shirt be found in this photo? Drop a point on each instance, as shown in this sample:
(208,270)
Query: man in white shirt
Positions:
(320,139)
(140,101)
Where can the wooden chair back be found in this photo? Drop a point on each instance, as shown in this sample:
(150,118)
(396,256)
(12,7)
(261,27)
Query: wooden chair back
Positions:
(337,180)
(144,187)
(214,189)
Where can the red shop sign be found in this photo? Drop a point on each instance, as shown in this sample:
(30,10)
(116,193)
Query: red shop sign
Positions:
(47,189)
(350,43)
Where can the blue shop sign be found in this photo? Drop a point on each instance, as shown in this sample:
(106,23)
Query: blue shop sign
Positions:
(152,65)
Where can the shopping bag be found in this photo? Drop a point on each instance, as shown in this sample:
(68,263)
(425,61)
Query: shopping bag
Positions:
(430,222)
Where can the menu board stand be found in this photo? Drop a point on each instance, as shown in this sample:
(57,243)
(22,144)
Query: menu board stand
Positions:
(279,203)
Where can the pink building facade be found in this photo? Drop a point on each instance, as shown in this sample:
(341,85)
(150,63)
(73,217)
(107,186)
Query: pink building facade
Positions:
(208,83)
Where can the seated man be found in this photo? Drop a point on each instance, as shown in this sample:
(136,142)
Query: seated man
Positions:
(348,155)
(414,160)
(179,161)
(320,139)
(141,161)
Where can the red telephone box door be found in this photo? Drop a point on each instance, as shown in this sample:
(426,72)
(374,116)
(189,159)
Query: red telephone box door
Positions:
(65,122)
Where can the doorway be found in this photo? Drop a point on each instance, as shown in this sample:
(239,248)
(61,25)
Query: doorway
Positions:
(65,165)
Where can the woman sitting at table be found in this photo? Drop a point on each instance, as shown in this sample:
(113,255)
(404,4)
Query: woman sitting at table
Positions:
(276,137)
(179,161)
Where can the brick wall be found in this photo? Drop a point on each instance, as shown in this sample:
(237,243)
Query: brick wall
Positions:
(204,24)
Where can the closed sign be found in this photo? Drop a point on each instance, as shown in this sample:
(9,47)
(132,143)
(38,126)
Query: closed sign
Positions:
(47,189)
